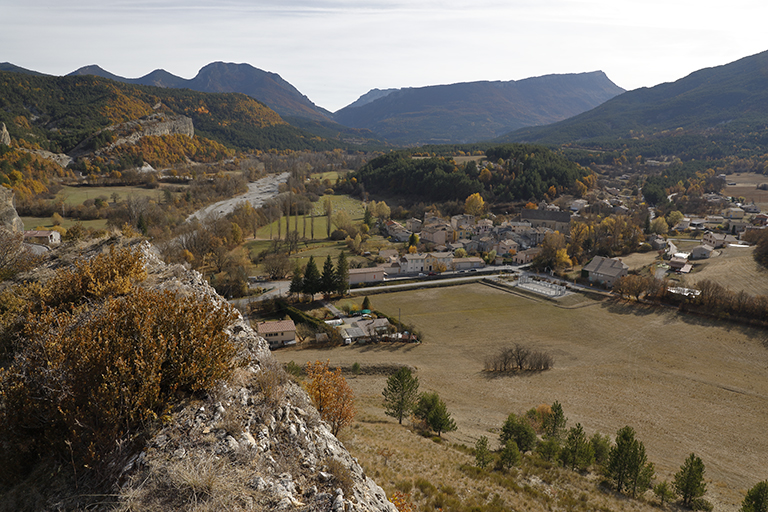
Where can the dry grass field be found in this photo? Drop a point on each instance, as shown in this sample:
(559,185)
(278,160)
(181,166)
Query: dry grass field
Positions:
(746,186)
(734,268)
(684,384)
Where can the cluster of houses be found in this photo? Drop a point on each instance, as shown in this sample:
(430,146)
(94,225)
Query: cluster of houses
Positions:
(361,330)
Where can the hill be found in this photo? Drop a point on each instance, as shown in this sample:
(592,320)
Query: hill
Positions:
(58,113)
(268,88)
(475,111)
(727,105)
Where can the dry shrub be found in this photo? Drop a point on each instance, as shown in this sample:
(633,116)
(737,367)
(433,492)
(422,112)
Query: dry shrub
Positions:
(87,373)
(342,474)
(271,381)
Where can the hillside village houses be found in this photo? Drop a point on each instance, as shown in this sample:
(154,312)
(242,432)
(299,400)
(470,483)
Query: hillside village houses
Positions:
(519,238)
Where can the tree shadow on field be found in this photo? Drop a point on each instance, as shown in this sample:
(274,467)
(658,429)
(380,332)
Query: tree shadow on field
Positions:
(617,307)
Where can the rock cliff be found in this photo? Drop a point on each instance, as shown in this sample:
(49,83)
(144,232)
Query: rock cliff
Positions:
(258,437)
(9,219)
(5,137)
(130,132)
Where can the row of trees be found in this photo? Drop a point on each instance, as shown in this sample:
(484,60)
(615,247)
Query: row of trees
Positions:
(624,463)
(310,280)
(708,298)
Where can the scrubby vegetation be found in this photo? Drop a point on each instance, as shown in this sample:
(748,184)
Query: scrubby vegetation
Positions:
(94,362)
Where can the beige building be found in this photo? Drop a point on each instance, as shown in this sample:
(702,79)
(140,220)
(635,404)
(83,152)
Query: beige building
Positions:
(278,333)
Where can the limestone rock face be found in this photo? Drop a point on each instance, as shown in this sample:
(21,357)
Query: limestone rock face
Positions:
(269,449)
(132,131)
(9,219)
(5,137)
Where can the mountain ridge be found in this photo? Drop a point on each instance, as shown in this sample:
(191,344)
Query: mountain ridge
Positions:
(472,111)
(726,99)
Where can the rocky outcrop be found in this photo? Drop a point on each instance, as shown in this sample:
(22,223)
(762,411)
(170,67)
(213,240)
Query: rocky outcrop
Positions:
(5,137)
(9,219)
(258,436)
(132,131)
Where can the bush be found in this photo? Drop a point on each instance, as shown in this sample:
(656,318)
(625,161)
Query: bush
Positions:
(97,360)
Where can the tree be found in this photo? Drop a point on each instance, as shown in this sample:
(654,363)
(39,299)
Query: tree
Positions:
(368,216)
(664,492)
(483,455)
(628,465)
(756,499)
(366,303)
(297,281)
(434,413)
(413,240)
(577,451)
(689,481)
(276,265)
(312,280)
(518,430)
(328,278)
(401,394)
(659,226)
(474,204)
(601,447)
(342,274)
(554,424)
(510,455)
(14,256)
(331,395)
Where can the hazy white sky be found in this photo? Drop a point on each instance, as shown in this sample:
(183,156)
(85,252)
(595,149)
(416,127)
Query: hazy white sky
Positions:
(333,51)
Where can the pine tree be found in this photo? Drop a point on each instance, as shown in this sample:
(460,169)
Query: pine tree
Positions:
(342,274)
(756,499)
(510,455)
(689,481)
(297,281)
(401,394)
(483,455)
(628,465)
(311,278)
(577,451)
(328,279)
(434,413)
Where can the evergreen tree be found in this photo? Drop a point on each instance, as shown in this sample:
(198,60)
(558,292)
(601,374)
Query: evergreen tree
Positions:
(312,281)
(366,303)
(577,451)
(297,281)
(689,481)
(434,413)
(518,430)
(342,274)
(401,394)
(328,278)
(554,424)
(756,499)
(368,217)
(510,455)
(664,492)
(628,465)
(483,455)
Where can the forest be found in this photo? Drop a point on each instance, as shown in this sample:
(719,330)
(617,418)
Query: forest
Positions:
(513,172)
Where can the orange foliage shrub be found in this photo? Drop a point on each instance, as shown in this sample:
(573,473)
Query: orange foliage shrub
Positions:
(331,394)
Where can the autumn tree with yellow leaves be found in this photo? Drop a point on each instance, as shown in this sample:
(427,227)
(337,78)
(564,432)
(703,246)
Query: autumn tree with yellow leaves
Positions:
(331,395)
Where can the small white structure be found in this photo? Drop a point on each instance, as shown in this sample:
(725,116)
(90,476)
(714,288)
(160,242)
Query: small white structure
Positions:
(42,237)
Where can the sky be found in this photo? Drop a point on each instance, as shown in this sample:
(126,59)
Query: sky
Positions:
(334,51)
